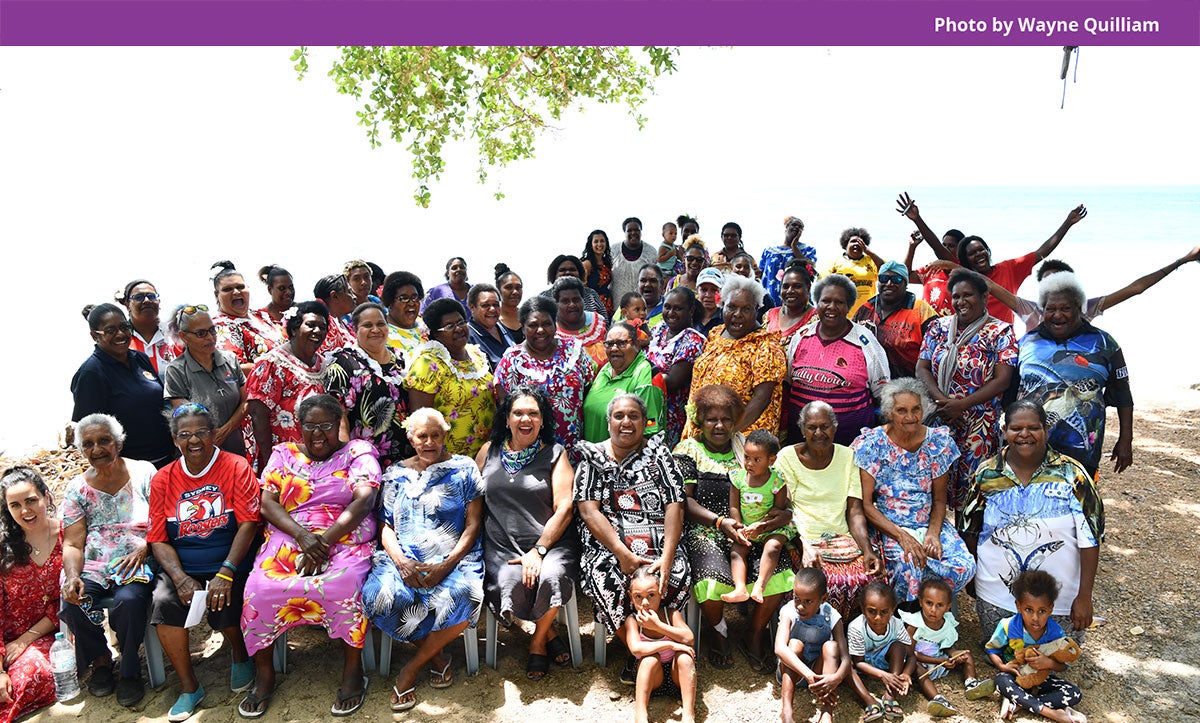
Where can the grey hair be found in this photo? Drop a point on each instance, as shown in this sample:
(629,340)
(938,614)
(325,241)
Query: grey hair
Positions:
(188,411)
(842,282)
(733,283)
(181,321)
(99,419)
(641,403)
(817,406)
(424,416)
(903,385)
(1062,282)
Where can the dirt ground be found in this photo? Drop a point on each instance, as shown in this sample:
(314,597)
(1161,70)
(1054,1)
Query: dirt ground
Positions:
(1147,571)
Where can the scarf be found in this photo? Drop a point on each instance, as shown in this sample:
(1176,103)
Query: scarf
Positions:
(954,344)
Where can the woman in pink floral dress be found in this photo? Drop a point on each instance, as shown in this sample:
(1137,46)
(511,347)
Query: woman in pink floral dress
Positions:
(317,499)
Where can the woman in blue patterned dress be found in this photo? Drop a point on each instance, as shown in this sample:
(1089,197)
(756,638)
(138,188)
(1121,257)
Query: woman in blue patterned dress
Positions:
(426,584)
(904,467)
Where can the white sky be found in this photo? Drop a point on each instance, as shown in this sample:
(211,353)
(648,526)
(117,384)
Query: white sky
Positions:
(116,163)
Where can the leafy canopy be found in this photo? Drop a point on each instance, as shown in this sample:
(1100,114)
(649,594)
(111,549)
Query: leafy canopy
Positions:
(500,97)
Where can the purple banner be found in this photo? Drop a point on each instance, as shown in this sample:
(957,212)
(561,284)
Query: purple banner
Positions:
(612,22)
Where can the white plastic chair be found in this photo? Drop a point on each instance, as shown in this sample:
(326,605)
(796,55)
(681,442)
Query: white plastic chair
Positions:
(568,620)
(470,642)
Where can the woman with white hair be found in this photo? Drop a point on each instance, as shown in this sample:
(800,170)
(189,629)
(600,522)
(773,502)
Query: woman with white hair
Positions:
(106,514)
(426,584)
(745,357)
(1075,371)
(904,467)
(837,361)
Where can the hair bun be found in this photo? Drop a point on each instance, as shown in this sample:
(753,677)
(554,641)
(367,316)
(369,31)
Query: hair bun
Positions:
(87,310)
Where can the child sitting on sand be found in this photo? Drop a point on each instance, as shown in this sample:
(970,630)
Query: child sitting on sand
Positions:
(811,646)
(934,632)
(758,499)
(1035,592)
(660,639)
(880,648)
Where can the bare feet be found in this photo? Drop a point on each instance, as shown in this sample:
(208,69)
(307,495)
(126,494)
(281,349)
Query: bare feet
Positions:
(756,594)
(738,595)
(1077,716)
(1006,709)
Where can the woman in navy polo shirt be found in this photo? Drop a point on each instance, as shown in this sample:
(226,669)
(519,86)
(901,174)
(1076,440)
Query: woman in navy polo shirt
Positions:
(122,382)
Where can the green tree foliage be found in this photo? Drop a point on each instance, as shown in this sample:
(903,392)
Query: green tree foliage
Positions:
(500,97)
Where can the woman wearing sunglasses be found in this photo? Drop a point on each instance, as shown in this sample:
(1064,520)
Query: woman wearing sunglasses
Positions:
(207,375)
(122,382)
(141,299)
(106,513)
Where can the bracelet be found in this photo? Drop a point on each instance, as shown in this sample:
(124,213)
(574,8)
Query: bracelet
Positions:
(717,523)
(224,577)
(229,565)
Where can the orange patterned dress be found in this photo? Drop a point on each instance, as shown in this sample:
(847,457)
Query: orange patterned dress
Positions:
(742,364)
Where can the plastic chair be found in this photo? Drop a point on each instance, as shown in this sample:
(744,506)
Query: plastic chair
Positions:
(279,652)
(568,619)
(470,642)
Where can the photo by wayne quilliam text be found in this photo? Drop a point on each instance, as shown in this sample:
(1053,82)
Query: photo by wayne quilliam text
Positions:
(1043,27)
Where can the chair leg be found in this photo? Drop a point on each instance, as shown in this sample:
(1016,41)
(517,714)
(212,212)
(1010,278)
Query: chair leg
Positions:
(368,658)
(692,613)
(154,657)
(385,653)
(568,615)
(279,653)
(471,641)
(489,645)
(601,648)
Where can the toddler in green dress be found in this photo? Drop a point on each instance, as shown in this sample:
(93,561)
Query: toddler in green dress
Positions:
(758,499)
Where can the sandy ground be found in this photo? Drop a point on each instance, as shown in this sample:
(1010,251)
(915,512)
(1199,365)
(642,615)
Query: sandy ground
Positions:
(1146,580)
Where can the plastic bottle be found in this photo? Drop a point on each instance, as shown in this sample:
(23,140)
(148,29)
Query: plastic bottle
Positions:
(62,661)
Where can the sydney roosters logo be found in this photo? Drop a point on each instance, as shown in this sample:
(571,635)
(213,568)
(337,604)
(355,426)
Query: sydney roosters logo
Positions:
(201,511)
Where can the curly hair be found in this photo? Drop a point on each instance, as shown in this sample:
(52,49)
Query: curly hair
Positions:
(14,548)
(1036,583)
(501,433)
(712,397)
(851,233)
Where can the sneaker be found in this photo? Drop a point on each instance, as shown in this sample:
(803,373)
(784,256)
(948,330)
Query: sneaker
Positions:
(629,673)
(939,707)
(101,682)
(241,676)
(186,705)
(977,689)
(130,691)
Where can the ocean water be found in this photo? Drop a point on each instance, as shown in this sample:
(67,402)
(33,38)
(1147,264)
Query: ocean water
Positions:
(1128,232)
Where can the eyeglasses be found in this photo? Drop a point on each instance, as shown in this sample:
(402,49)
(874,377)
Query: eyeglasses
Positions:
(123,328)
(617,344)
(193,308)
(729,234)
(406,299)
(94,615)
(144,296)
(200,333)
(198,434)
(892,279)
(452,327)
(323,426)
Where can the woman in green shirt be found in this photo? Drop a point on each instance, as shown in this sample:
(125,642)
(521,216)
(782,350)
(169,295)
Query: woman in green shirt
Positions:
(627,372)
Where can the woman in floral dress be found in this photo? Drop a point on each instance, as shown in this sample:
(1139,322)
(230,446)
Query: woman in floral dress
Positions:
(30,564)
(239,332)
(966,362)
(674,347)
(904,467)
(453,377)
(426,584)
(317,499)
(557,366)
(368,379)
(282,378)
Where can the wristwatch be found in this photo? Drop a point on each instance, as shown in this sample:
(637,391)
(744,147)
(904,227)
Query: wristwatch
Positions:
(541,550)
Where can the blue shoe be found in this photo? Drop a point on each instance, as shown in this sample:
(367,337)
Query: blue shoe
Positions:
(186,705)
(241,676)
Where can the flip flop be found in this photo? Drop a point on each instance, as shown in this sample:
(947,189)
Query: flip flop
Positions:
(872,713)
(246,708)
(558,651)
(892,709)
(756,663)
(446,680)
(336,708)
(403,705)
(539,664)
(719,660)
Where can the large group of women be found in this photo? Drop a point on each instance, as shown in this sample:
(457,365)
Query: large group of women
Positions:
(651,430)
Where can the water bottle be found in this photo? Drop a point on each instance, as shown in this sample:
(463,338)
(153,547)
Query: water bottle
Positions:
(62,661)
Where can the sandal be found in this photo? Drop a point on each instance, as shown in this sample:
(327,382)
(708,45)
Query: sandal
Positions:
(558,651)
(399,705)
(342,698)
(537,667)
(249,707)
(892,709)
(719,660)
(757,664)
(439,679)
(872,713)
